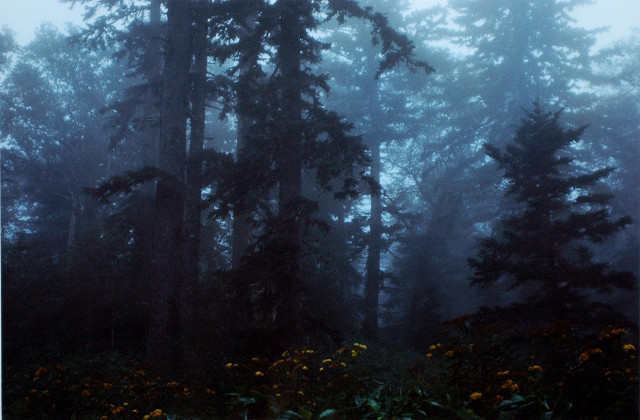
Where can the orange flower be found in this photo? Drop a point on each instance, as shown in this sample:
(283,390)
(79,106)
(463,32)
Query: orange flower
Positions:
(585,356)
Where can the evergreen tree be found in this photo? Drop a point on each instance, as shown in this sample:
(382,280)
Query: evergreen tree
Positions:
(546,241)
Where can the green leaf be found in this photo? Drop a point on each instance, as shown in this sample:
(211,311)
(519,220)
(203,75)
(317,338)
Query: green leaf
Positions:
(327,413)
(306,414)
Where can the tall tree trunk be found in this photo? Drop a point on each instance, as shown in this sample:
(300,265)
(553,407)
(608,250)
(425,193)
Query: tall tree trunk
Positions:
(289,159)
(192,222)
(242,224)
(168,227)
(150,142)
(372,282)
(154,78)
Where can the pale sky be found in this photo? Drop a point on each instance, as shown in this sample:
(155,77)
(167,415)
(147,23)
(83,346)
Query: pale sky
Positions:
(24,16)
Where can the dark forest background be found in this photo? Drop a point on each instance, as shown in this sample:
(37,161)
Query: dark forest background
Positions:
(192,182)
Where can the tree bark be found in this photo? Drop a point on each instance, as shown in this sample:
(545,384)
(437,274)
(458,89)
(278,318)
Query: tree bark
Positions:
(242,224)
(289,159)
(372,282)
(290,153)
(192,222)
(168,227)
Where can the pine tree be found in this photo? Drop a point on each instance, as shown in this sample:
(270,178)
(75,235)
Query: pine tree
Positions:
(545,243)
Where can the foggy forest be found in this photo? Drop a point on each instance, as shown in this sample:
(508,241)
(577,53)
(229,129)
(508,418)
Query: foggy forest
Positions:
(320,209)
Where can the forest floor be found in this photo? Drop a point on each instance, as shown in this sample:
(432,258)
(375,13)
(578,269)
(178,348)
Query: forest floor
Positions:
(550,374)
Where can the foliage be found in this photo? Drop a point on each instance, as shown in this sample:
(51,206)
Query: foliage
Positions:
(487,369)
(546,241)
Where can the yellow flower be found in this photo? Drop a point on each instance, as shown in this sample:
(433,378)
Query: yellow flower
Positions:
(321,369)
(343,364)
(255,359)
(118,409)
(628,348)
(308,352)
(503,373)
(510,385)
(618,331)
(326,361)
(535,368)
(354,353)
(305,368)
(429,354)
(432,347)
(300,393)
(229,365)
(475,396)
(258,373)
(362,346)
(155,413)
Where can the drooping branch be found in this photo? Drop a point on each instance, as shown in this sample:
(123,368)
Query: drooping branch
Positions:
(124,183)
(396,47)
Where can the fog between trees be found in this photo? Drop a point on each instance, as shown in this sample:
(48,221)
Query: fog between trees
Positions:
(188,177)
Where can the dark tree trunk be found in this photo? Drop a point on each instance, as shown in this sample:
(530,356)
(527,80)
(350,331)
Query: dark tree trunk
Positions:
(150,143)
(290,153)
(154,77)
(192,222)
(289,159)
(372,282)
(242,223)
(168,227)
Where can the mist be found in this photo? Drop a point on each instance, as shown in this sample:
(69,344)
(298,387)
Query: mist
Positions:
(320,209)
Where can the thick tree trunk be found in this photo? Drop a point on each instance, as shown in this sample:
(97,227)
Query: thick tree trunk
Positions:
(154,78)
(242,223)
(192,222)
(289,160)
(150,142)
(372,282)
(168,228)
(290,153)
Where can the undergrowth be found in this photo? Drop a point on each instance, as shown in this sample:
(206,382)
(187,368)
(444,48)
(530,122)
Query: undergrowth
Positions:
(552,372)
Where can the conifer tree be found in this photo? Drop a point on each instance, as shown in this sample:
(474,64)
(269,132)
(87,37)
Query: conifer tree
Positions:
(546,242)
